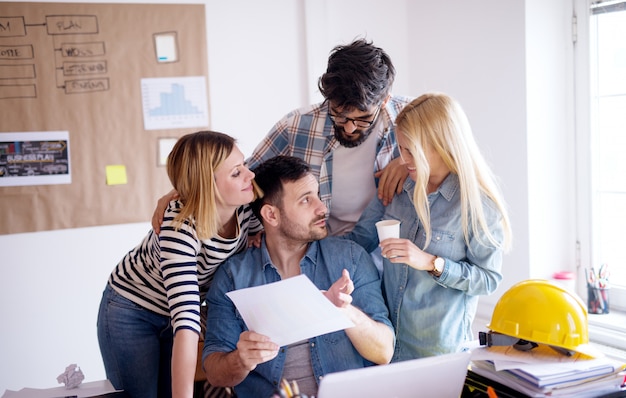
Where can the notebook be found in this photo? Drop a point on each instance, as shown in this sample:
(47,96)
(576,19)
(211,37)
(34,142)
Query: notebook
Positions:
(438,376)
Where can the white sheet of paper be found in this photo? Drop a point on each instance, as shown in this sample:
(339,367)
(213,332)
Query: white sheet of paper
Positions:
(288,311)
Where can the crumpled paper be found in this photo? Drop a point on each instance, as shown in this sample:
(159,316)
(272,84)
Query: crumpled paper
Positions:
(72,377)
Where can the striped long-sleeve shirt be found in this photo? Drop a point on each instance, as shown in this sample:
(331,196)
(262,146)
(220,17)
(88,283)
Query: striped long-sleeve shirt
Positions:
(170,273)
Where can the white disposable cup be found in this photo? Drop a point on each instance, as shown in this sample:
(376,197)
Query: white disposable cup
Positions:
(388,229)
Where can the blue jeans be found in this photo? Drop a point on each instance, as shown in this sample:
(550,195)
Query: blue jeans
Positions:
(136,346)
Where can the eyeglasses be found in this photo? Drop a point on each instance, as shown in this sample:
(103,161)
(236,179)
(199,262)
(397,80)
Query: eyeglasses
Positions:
(361,124)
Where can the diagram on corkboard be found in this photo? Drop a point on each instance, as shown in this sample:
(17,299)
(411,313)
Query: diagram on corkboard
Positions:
(90,95)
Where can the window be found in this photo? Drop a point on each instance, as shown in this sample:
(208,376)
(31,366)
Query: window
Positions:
(608,141)
(601,154)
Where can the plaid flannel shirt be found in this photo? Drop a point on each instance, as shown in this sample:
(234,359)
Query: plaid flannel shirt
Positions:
(308,133)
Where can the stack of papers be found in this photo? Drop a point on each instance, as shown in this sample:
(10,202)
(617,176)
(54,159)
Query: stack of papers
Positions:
(557,374)
(542,372)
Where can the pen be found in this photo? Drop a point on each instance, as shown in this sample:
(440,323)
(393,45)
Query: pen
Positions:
(603,276)
(296,388)
(604,271)
(287,388)
(491,393)
(591,277)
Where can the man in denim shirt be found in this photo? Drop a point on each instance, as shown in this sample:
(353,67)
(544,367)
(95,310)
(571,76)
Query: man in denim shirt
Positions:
(295,243)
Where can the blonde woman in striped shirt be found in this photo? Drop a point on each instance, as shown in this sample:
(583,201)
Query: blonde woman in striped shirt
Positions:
(149,318)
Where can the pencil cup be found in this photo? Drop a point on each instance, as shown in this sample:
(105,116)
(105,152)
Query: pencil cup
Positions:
(388,229)
(597,299)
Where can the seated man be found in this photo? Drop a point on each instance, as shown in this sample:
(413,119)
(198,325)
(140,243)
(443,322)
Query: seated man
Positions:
(295,243)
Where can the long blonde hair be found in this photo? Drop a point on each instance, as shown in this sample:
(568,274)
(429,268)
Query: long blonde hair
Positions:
(191,168)
(438,121)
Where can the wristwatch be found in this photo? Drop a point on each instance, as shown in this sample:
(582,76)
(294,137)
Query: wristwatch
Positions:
(438,266)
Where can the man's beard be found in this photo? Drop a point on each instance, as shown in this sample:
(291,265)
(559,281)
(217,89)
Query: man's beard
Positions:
(298,232)
(348,143)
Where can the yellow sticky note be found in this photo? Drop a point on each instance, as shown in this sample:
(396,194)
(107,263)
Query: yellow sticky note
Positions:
(116,174)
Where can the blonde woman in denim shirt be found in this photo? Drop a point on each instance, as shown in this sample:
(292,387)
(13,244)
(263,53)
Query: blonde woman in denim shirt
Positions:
(454,229)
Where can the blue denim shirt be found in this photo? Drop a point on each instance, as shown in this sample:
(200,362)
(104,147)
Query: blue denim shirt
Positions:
(323,264)
(434,315)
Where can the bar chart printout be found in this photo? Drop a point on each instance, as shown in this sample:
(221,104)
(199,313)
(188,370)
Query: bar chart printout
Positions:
(174,102)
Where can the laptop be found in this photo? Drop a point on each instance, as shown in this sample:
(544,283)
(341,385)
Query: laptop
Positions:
(438,376)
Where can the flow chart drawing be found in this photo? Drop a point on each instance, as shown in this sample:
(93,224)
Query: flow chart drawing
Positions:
(81,66)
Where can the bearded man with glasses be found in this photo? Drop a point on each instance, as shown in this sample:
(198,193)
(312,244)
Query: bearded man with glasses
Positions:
(348,139)
(350,132)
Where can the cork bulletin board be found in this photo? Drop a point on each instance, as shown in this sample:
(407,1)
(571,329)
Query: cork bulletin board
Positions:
(92,97)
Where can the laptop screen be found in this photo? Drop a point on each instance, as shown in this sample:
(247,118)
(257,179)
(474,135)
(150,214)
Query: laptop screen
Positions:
(438,376)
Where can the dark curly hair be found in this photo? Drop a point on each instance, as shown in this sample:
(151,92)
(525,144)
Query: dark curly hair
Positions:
(358,76)
(270,177)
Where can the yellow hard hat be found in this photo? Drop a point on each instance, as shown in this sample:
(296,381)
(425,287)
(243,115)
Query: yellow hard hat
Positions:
(539,311)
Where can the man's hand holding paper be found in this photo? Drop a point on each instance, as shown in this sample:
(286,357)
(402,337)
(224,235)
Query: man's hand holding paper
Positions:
(255,348)
(293,309)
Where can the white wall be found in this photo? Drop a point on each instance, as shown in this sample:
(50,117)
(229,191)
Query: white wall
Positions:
(256,57)
(50,291)
(507,63)
(550,136)
(475,51)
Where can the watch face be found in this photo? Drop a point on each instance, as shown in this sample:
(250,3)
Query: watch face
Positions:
(439,262)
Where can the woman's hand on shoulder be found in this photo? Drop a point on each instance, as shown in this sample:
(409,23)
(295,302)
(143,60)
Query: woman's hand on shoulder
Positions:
(255,240)
(391,180)
(157,216)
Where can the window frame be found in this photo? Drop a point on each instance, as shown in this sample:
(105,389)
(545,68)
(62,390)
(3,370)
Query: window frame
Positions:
(607,329)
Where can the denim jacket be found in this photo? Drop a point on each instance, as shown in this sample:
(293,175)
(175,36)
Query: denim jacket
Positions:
(433,315)
(323,264)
